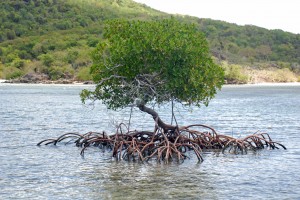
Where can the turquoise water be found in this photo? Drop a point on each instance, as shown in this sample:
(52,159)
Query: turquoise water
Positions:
(30,113)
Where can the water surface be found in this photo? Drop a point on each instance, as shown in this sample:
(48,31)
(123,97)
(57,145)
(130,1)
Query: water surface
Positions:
(30,113)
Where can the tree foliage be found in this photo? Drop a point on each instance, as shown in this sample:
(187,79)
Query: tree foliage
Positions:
(161,61)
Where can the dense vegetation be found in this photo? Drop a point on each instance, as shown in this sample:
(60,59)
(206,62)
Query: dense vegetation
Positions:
(153,61)
(56,37)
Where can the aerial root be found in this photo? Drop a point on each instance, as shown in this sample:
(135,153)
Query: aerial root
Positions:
(165,146)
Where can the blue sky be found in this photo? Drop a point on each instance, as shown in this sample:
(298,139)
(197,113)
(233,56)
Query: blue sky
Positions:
(270,14)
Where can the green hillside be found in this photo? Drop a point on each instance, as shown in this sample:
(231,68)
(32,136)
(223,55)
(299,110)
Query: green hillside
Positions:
(55,37)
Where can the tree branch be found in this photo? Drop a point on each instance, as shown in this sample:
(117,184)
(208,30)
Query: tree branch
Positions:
(155,116)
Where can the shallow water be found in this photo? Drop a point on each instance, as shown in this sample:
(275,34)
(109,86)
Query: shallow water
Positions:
(30,113)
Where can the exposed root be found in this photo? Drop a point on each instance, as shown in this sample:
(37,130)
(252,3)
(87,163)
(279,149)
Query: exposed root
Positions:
(165,145)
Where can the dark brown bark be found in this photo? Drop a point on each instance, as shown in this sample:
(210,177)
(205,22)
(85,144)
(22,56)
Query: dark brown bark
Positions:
(156,118)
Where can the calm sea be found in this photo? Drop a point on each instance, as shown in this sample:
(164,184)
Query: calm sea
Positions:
(31,113)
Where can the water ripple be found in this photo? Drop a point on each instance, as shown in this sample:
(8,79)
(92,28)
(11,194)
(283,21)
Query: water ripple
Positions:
(30,113)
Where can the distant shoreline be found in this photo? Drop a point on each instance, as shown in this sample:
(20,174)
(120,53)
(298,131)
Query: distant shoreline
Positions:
(90,83)
(48,82)
(267,84)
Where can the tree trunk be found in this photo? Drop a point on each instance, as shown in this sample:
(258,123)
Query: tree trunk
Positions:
(156,118)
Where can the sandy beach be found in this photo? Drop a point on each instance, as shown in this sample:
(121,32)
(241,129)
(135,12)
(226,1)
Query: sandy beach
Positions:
(247,84)
(273,84)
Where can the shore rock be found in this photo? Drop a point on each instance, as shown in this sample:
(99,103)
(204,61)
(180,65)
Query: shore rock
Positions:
(31,78)
(40,78)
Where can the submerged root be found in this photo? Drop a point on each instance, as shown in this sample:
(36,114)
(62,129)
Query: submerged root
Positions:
(165,145)
(253,142)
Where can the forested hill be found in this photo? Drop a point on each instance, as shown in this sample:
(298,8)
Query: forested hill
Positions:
(55,37)
(37,17)
(251,41)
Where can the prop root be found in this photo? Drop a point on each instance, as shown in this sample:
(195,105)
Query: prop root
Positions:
(165,145)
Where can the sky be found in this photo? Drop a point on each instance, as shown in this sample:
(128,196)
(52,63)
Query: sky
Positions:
(270,14)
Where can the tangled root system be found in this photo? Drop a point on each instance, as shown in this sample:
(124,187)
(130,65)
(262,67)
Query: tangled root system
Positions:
(165,145)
